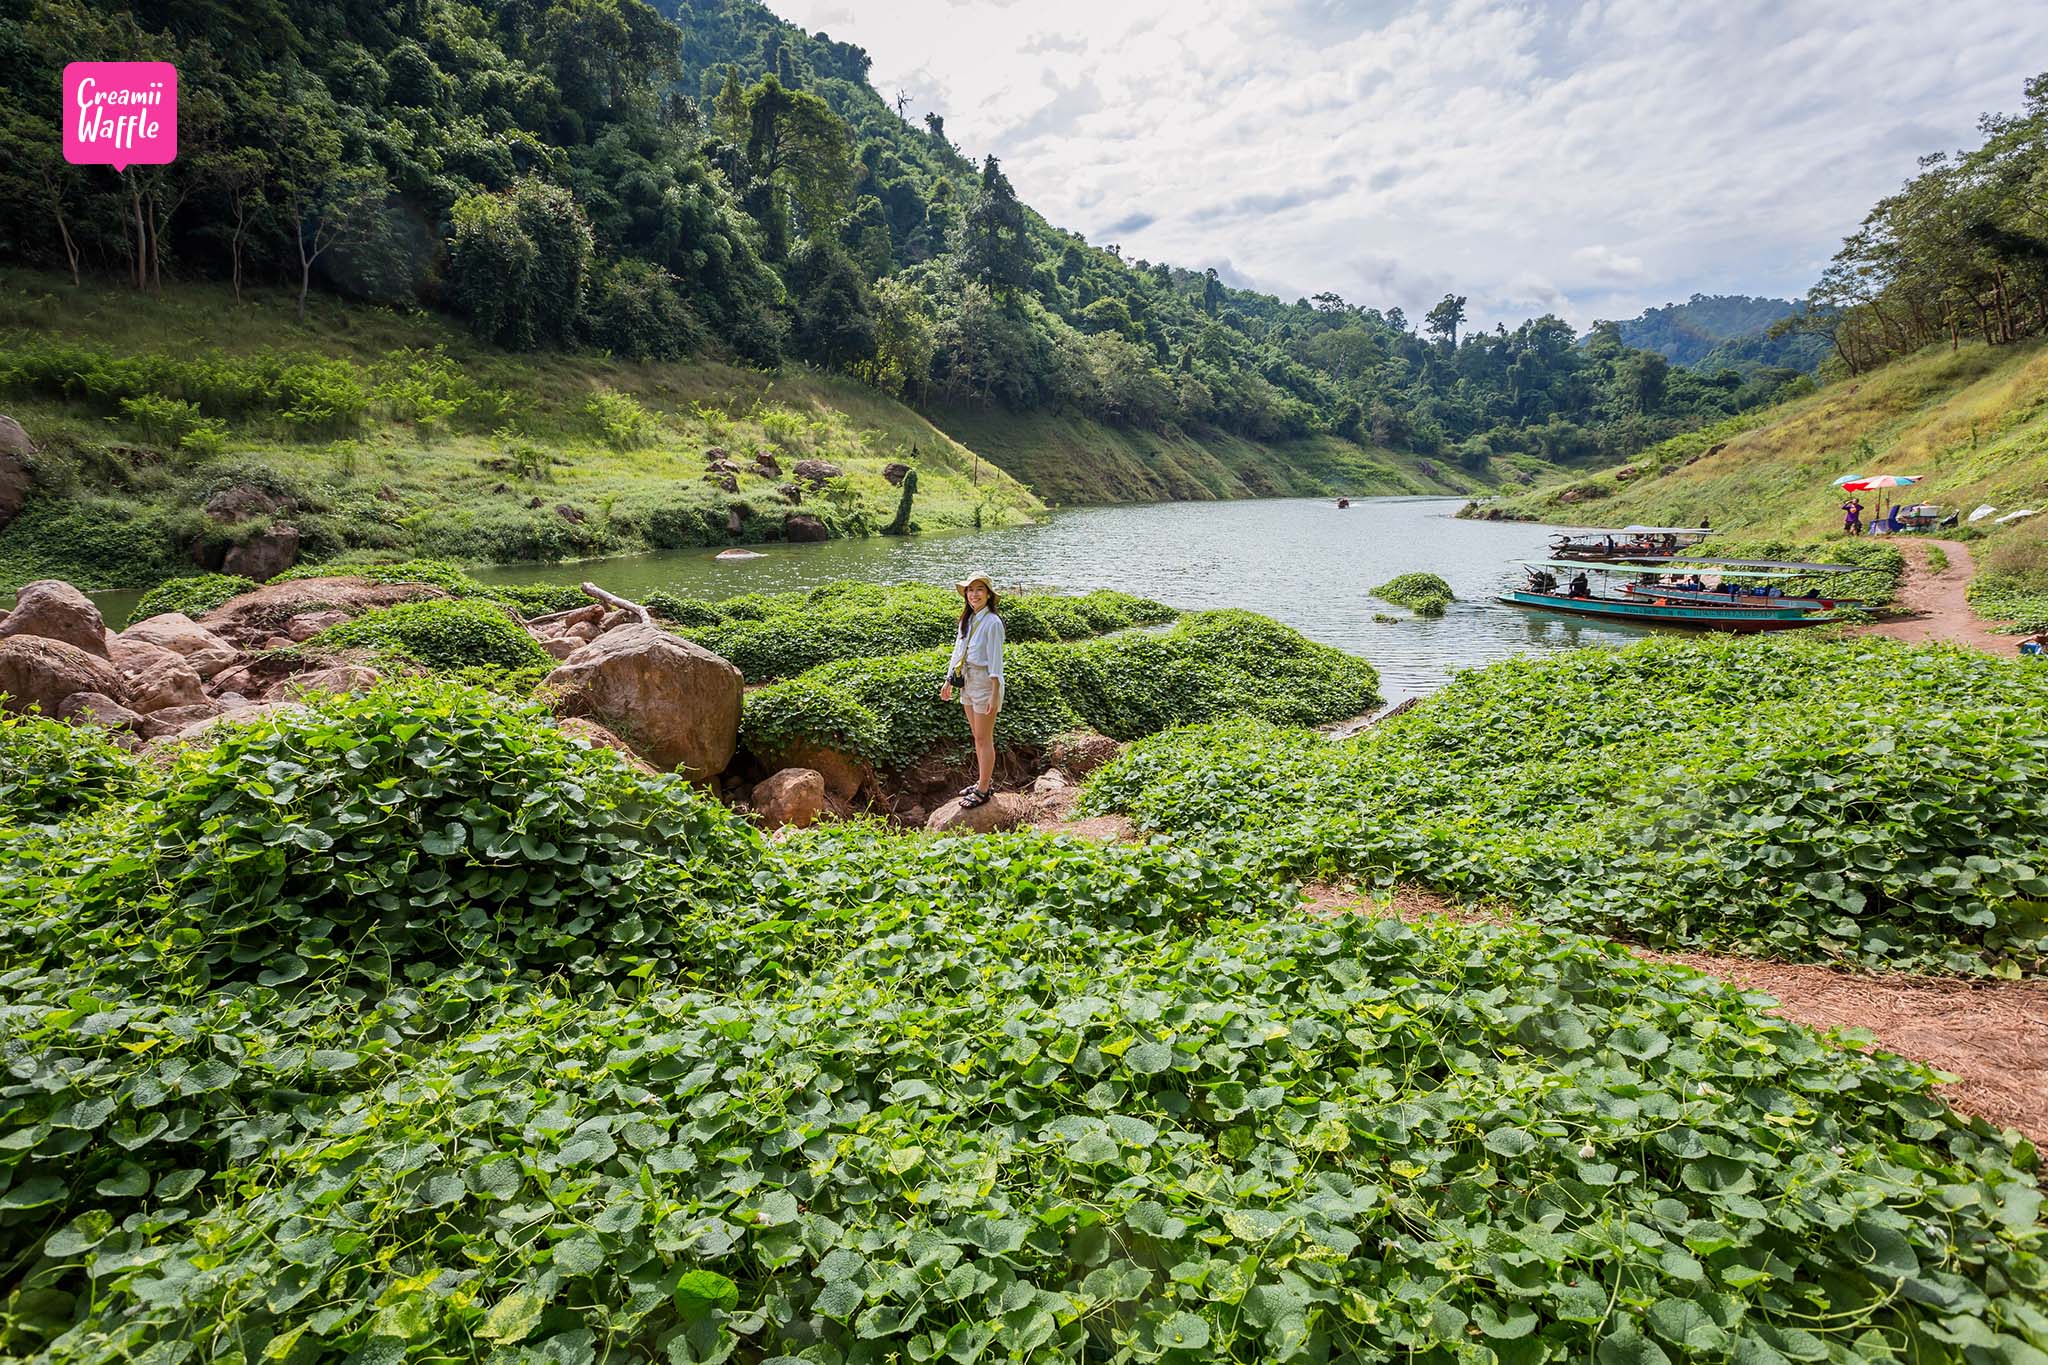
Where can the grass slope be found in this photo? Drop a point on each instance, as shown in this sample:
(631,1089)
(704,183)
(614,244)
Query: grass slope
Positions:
(390,487)
(1972,422)
(1068,458)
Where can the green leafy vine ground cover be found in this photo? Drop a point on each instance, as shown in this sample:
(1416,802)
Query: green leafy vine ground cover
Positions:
(1425,594)
(1816,800)
(1208,664)
(329,1046)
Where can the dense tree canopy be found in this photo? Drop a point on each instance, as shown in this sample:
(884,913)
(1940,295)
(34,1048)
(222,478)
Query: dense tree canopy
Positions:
(653,180)
(1961,250)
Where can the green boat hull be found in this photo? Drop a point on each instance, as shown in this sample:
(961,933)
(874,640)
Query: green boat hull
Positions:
(1742,620)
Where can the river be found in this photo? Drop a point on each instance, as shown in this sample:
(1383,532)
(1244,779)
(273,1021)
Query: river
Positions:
(1299,560)
(1304,561)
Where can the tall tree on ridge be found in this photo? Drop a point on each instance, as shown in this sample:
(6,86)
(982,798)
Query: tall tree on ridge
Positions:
(995,244)
(1443,320)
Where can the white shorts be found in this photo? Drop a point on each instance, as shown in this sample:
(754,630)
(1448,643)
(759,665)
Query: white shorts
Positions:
(980,693)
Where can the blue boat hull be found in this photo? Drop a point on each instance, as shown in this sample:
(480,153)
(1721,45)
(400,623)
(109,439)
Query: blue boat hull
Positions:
(1742,620)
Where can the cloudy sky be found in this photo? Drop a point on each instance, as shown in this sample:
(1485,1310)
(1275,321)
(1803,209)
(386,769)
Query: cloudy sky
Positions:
(1588,159)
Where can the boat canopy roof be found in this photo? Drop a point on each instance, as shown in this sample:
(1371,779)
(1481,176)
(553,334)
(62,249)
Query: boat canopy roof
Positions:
(1720,568)
(1777,565)
(1668,530)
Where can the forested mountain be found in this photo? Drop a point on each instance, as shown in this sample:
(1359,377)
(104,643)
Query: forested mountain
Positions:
(1712,332)
(714,180)
(1961,251)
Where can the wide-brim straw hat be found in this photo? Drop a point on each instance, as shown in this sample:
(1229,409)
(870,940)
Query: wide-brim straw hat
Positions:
(973,578)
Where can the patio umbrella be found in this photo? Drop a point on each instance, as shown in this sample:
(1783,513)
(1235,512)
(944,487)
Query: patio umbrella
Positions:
(1879,481)
(1848,479)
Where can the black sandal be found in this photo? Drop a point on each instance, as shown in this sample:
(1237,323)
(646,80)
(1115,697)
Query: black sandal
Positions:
(976,797)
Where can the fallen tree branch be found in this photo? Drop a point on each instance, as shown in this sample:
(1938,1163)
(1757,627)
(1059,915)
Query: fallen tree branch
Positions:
(614,600)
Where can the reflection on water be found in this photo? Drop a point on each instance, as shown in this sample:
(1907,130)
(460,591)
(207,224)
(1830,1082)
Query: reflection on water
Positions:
(1298,560)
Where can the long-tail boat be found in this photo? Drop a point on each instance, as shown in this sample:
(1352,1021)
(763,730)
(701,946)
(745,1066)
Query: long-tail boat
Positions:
(1651,603)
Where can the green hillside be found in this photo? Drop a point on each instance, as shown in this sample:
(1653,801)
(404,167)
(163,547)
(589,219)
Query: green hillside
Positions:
(1068,458)
(430,444)
(1972,422)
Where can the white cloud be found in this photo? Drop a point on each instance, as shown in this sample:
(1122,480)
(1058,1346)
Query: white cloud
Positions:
(1593,158)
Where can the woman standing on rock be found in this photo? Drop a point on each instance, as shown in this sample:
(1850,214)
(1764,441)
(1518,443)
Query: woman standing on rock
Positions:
(976,670)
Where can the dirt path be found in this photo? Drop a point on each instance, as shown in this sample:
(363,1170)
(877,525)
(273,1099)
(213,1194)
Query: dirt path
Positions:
(1991,1035)
(1937,608)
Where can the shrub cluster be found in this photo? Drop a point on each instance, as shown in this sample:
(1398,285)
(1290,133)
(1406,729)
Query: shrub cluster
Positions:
(194,596)
(1821,800)
(1425,594)
(310,395)
(284,1076)
(439,633)
(49,769)
(779,635)
(1209,664)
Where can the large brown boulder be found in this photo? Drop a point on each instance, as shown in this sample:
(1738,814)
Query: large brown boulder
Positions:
(245,502)
(13,440)
(675,702)
(55,610)
(817,473)
(204,652)
(1083,751)
(802,526)
(250,620)
(97,708)
(15,480)
(190,725)
(595,736)
(793,798)
(893,473)
(162,685)
(844,774)
(265,555)
(1004,810)
(339,678)
(38,673)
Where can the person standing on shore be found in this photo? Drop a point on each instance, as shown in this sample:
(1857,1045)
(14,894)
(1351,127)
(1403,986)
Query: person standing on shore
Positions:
(976,672)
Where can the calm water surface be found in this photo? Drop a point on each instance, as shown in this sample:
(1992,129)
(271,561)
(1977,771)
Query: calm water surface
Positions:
(1298,560)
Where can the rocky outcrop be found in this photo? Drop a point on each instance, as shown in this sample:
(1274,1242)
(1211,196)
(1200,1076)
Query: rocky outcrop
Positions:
(723,481)
(249,621)
(1082,752)
(246,502)
(791,494)
(13,440)
(792,798)
(893,472)
(597,737)
(1004,810)
(263,556)
(802,526)
(15,479)
(338,678)
(162,684)
(97,708)
(54,610)
(38,673)
(307,624)
(768,464)
(675,702)
(844,774)
(817,473)
(203,652)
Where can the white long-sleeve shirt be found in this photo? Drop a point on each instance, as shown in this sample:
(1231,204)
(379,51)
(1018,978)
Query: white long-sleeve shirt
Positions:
(982,644)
